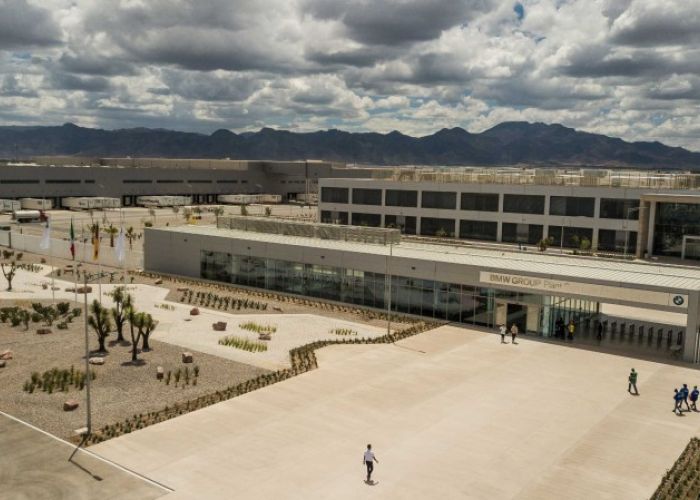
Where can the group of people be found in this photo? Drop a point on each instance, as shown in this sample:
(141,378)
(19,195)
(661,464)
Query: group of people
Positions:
(503,330)
(680,396)
(563,329)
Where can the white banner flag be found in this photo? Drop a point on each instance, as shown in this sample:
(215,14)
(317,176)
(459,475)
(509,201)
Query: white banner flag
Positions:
(45,243)
(120,247)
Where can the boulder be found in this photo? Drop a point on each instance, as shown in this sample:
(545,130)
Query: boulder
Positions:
(187,357)
(70,405)
(4,355)
(159,281)
(43,331)
(96,361)
(2,363)
(194,311)
(265,336)
(84,289)
(219,326)
(182,289)
(159,373)
(278,309)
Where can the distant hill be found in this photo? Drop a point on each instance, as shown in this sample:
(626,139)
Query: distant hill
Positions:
(510,143)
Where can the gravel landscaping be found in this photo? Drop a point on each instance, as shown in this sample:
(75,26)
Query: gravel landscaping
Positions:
(120,389)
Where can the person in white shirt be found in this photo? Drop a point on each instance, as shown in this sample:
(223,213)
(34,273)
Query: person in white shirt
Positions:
(369,460)
(514,333)
(502,330)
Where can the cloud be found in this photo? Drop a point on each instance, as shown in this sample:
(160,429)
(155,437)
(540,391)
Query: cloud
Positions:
(24,25)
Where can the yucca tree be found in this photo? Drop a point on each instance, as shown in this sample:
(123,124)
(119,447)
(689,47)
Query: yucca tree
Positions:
(122,302)
(148,324)
(100,321)
(218,212)
(11,260)
(112,232)
(134,321)
(131,236)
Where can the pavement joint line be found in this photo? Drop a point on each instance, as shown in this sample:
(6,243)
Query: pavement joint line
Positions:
(91,453)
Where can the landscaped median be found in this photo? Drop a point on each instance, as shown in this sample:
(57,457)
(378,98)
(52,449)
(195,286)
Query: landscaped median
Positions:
(682,482)
(302,359)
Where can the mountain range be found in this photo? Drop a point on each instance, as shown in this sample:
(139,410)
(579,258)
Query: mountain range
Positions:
(509,143)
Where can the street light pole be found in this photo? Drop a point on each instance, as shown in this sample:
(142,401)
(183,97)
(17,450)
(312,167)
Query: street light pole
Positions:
(388,303)
(87,360)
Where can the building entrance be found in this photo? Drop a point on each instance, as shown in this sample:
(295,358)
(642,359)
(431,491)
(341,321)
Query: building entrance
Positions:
(526,316)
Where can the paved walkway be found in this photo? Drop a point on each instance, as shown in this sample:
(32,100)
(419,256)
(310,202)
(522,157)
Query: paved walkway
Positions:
(35,466)
(451,414)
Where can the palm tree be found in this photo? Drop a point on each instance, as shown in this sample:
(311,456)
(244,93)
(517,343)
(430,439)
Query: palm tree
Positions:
(122,302)
(100,322)
(218,212)
(112,231)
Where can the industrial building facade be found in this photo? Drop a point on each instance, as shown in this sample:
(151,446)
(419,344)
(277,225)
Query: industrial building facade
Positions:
(640,213)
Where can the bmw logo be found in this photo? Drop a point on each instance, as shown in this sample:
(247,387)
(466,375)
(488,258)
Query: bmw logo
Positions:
(678,300)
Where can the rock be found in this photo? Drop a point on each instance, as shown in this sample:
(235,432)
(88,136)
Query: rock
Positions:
(159,281)
(187,357)
(219,326)
(278,309)
(84,289)
(194,311)
(265,336)
(3,363)
(43,331)
(182,289)
(80,432)
(96,361)
(4,355)
(159,373)
(70,405)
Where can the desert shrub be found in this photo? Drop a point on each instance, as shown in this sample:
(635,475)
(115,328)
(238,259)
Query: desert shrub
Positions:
(243,343)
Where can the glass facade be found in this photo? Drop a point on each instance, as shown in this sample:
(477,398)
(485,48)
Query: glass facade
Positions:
(572,206)
(573,236)
(481,202)
(334,195)
(439,199)
(673,221)
(523,204)
(405,223)
(478,230)
(367,196)
(614,241)
(616,208)
(400,198)
(431,226)
(328,217)
(434,299)
(522,233)
(371,220)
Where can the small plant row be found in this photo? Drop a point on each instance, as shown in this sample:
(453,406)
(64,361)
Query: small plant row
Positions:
(302,360)
(365,313)
(216,301)
(343,331)
(682,481)
(16,315)
(57,380)
(184,375)
(243,344)
(255,327)
(32,268)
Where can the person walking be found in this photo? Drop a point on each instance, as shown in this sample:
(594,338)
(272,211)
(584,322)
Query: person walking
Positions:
(685,392)
(694,398)
(677,398)
(572,329)
(502,331)
(632,379)
(369,460)
(514,333)
(600,330)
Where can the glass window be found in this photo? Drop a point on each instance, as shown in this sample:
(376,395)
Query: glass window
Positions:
(614,241)
(574,237)
(334,195)
(439,199)
(523,203)
(329,217)
(572,206)
(406,224)
(482,202)
(367,196)
(215,266)
(401,198)
(613,208)
(371,220)
(431,226)
(478,230)
(673,221)
(522,233)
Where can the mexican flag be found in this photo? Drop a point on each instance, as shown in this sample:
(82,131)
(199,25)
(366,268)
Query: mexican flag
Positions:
(72,239)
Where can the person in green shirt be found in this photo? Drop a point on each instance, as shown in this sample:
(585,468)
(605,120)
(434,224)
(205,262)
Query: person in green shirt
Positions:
(632,379)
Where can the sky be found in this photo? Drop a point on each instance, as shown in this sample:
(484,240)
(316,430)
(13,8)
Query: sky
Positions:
(625,68)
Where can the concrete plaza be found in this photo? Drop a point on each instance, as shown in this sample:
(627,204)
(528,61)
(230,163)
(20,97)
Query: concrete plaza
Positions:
(451,413)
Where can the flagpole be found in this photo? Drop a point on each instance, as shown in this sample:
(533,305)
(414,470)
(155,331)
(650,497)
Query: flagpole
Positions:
(53,271)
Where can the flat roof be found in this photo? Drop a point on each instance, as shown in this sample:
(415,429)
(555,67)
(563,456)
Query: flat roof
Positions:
(636,274)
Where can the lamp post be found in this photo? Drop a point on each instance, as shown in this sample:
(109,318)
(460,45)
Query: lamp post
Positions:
(627,232)
(388,302)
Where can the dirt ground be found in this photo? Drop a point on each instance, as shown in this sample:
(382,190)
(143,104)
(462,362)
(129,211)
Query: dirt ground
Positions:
(120,389)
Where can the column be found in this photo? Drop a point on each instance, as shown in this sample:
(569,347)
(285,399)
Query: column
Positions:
(690,347)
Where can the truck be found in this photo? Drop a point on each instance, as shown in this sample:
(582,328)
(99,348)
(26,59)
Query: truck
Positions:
(249,199)
(35,204)
(163,201)
(80,203)
(9,206)
(26,216)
